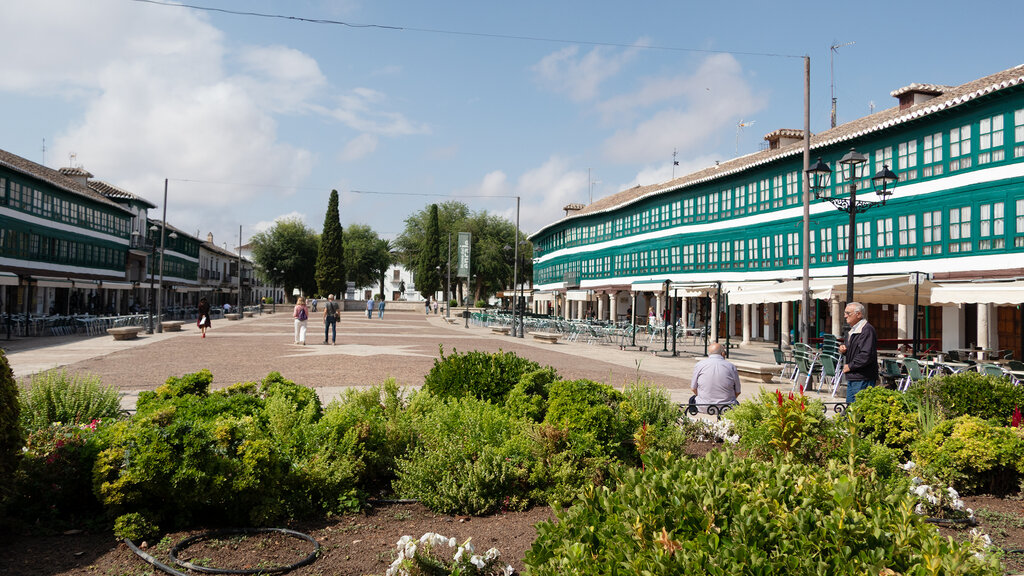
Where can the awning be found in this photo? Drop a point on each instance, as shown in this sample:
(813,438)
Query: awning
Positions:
(8,279)
(579,295)
(978,293)
(544,296)
(52,282)
(868,290)
(116,285)
(648,285)
(188,289)
(693,290)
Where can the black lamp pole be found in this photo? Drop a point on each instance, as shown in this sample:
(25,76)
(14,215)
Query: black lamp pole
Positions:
(152,280)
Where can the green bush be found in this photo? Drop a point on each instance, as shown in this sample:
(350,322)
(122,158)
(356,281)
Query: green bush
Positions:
(728,515)
(11,439)
(885,416)
(773,424)
(969,393)
(653,408)
(56,396)
(51,484)
(973,455)
(484,375)
(529,397)
(469,457)
(481,304)
(589,412)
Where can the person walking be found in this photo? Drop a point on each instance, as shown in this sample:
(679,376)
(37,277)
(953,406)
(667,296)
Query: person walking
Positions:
(332,313)
(380,309)
(426,303)
(204,316)
(860,352)
(369,308)
(301,315)
(715,379)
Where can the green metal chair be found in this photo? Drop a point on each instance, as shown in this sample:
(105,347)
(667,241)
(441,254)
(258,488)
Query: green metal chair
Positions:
(788,366)
(914,372)
(891,370)
(991,370)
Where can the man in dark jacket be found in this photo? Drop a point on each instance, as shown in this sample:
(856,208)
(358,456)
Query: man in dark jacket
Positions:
(860,352)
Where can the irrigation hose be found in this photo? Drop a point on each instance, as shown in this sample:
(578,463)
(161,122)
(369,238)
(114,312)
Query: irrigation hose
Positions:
(219,533)
(951,521)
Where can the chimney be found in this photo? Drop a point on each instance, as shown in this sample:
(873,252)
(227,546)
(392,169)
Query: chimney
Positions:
(783,137)
(209,237)
(573,208)
(79,175)
(917,93)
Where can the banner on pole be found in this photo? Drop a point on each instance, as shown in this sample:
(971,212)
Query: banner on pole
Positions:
(464,244)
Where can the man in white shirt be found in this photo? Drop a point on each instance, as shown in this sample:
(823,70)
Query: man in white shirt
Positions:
(715,379)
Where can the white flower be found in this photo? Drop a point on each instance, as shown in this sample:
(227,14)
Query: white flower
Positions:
(922,490)
(970,512)
(932,499)
(909,465)
(508,571)
(953,494)
(916,480)
(492,554)
(451,542)
(919,509)
(478,562)
(459,553)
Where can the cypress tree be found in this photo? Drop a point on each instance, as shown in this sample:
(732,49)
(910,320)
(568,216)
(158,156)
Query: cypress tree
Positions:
(427,276)
(330,259)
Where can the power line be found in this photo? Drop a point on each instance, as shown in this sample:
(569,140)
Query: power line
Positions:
(321,189)
(464,33)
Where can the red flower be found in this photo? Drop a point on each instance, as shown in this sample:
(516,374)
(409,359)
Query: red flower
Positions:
(1016,418)
(801,389)
(779,394)
(790,395)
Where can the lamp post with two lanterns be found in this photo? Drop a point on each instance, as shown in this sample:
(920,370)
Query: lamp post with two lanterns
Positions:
(884,182)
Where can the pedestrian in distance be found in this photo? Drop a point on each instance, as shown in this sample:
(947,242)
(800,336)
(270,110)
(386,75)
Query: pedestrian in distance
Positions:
(860,352)
(369,308)
(426,304)
(715,379)
(204,316)
(332,313)
(301,316)
(380,309)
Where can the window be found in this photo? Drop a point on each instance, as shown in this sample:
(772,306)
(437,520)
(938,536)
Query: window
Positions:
(825,237)
(725,249)
(883,238)
(990,229)
(863,246)
(766,251)
(883,158)
(777,184)
(675,212)
(907,160)
(713,205)
(1018,133)
(726,203)
(738,247)
(842,241)
(688,211)
(990,140)
(674,252)
(960,148)
(960,229)
(688,257)
(702,208)
(766,192)
(752,253)
(1018,240)
(792,188)
(740,197)
(701,256)
(932,157)
(3,191)
(793,248)
(931,228)
(908,235)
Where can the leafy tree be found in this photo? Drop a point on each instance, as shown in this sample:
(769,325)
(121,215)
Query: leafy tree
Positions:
(428,279)
(367,256)
(411,241)
(330,260)
(291,247)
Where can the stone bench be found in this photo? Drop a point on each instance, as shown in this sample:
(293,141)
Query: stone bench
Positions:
(125,332)
(548,337)
(499,330)
(248,313)
(762,372)
(171,325)
(233,316)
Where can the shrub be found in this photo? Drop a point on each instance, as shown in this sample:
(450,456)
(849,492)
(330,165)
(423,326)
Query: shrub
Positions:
(529,397)
(56,396)
(589,412)
(480,374)
(470,457)
(51,485)
(773,424)
(653,408)
(729,515)
(884,416)
(481,304)
(969,393)
(11,439)
(972,455)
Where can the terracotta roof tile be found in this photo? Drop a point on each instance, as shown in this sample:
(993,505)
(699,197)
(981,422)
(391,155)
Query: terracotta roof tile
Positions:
(54,178)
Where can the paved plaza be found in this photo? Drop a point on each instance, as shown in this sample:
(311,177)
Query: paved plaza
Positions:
(403,345)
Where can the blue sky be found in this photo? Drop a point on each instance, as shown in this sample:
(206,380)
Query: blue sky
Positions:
(253,118)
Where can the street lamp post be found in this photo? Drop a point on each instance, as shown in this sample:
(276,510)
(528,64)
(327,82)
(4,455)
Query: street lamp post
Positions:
(884,183)
(152,278)
(273,297)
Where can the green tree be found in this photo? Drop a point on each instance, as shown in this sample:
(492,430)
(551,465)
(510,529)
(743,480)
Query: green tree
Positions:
(428,278)
(330,259)
(11,440)
(290,247)
(367,256)
(410,243)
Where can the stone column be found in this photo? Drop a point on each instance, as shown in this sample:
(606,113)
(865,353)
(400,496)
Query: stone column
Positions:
(902,322)
(984,318)
(746,325)
(784,324)
(684,312)
(714,320)
(613,306)
(837,318)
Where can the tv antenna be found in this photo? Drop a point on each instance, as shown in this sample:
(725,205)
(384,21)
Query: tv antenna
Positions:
(674,163)
(739,127)
(832,72)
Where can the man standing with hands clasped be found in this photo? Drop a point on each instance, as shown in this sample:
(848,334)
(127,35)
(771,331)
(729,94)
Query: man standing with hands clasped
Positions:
(860,352)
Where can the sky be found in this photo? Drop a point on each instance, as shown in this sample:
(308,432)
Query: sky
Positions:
(399,104)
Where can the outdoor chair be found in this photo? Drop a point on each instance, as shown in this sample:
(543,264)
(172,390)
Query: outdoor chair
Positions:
(891,371)
(914,372)
(991,370)
(829,372)
(788,366)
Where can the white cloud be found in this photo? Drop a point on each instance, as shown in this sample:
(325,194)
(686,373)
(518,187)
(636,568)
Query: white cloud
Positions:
(267,225)
(580,77)
(282,79)
(357,109)
(543,191)
(703,109)
(358,148)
